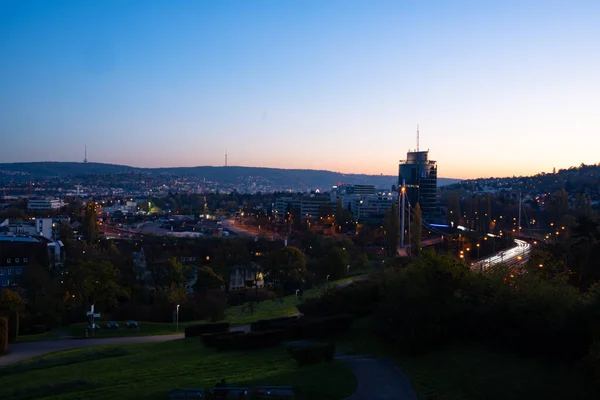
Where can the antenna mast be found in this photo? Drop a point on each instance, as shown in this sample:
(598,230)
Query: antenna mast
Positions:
(417,138)
(85,155)
(225,156)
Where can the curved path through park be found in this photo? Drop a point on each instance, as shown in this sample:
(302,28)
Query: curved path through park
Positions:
(18,352)
(379,379)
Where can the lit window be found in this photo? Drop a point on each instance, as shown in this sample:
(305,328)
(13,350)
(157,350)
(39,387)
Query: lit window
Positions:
(9,271)
(8,260)
(17,260)
(4,283)
(1,272)
(19,271)
(25,259)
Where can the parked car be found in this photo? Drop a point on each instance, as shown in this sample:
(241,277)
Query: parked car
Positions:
(132,324)
(112,325)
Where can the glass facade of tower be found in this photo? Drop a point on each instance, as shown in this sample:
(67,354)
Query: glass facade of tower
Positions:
(420,175)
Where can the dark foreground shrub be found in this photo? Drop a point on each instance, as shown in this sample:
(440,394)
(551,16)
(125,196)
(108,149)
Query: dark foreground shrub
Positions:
(250,341)
(37,329)
(270,324)
(198,330)
(208,339)
(3,335)
(358,298)
(312,353)
(318,327)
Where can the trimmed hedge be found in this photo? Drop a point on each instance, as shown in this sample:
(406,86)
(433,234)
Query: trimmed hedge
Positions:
(318,327)
(208,339)
(36,329)
(3,335)
(199,330)
(270,324)
(312,353)
(249,341)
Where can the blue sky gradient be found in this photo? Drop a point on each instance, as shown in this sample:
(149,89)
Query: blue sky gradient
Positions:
(498,88)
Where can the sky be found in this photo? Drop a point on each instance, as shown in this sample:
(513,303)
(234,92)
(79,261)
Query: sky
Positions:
(498,88)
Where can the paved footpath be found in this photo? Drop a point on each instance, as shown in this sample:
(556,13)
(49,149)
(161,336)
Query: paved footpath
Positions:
(379,380)
(23,351)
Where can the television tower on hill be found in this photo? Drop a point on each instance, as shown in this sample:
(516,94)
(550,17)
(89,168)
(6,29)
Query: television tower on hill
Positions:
(85,155)
(225,157)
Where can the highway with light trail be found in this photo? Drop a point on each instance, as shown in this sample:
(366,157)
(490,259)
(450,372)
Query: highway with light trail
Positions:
(510,257)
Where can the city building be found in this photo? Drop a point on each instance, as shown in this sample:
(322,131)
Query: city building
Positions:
(356,189)
(308,207)
(372,207)
(244,278)
(44,227)
(419,174)
(18,252)
(44,204)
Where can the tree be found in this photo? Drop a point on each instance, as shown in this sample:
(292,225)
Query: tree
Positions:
(453,210)
(416,229)
(339,213)
(362,262)
(207,279)
(487,214)
(11,306)
(92,281)
(560,205)
(45,294)
(286,266)
(392,229)
(336,263)
(229,255)
(90,223)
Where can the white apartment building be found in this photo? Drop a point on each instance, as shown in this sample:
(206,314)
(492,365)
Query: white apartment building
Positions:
(45,204)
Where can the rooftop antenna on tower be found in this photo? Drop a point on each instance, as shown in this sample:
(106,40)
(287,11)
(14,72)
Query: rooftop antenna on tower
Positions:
(225,156)
(85,155)
(417,138)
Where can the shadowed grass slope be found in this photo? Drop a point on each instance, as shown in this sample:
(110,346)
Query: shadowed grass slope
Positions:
(150,370)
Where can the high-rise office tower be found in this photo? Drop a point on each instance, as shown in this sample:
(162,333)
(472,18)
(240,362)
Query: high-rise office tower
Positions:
(420,176)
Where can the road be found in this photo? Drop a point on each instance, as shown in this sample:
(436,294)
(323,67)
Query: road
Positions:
(24,351)
(511,257)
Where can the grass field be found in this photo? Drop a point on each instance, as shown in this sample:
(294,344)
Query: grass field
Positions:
(37,337)
(474,371)
(149,371)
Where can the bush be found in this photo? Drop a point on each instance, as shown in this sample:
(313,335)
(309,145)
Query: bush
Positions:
(36,329)
(358,299)
(208,339)
(312,353)
(13,324)
(198,330)
(3,335)
(318,327)
(270,324)
(249,341)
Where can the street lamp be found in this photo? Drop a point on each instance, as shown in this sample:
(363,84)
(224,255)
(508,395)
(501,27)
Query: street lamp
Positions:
(177,318)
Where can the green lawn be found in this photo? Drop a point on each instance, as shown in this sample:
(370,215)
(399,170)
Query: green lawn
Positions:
(149,371)
(146,329)
(474,371)
(37,337)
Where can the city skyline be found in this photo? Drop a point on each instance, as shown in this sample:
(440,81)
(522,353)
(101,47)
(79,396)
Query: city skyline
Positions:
(497,90)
